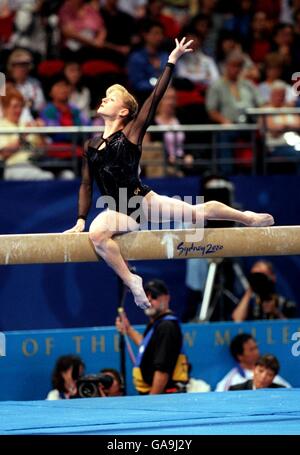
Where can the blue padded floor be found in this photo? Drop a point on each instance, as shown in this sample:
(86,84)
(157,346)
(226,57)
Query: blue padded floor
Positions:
(266,412)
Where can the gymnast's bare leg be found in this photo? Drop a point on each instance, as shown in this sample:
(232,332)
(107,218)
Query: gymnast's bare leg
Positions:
(103,227)
(159,208)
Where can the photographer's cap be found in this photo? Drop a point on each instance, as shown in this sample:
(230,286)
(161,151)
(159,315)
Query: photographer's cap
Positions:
(156,288)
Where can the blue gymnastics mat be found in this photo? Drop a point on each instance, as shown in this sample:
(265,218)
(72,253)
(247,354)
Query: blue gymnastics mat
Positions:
(262,412)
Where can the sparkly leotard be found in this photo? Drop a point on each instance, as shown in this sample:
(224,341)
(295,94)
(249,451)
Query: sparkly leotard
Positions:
(116,166)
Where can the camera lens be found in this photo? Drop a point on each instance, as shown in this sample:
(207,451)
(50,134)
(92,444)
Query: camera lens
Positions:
(88,390)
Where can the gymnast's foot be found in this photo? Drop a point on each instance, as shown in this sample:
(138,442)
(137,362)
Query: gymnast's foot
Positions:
(258,219)
(136,287)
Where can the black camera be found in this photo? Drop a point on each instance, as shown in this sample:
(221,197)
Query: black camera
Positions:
(262,285)
(88,386)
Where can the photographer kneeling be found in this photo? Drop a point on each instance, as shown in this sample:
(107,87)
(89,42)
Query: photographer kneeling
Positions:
(261,301)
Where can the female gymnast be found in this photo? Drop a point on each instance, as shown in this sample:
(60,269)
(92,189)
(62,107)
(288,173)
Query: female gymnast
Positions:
(112,159)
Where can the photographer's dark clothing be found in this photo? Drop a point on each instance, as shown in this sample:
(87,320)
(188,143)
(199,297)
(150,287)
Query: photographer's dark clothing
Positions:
(162,350)
(286,307)
(248,385)
(117,164)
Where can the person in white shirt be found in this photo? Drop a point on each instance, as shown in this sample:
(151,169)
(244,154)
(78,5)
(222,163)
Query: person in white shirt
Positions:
(196,66)
(244,350)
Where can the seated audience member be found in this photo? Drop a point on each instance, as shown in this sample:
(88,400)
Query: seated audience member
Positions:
(82,29)
(265,371)
(261,300)
(273,72)
(279,129)
(195,66)
(173,141)
(161,367)
(60,112)
(30,31)
(121,29)
(155,12)
(117,387)
(67,370)
(17,151)
(245,352)
(228,42)
(19,66)
(146,64)
(80,95)
(260,43)
(226,102)
(135,8)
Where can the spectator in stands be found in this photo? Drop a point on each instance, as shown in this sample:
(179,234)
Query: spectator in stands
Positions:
(60,112)
(19,66)
(259,44)
(229,42)
(135,8)
(273,72)
(155,12)
(82,28)
(173,142)
(226,102)
(80,95)
(6,22)
(17,151)
(160,367)
(208,8)
(263,302)
(283,44)
(228,97)
(280,129)
(240,22)
(244,350)
(264,374)
(67,370)
(29,30)
(271,9)
(146,65)
(296,16)
(120,28)
(117,387)
(196,66)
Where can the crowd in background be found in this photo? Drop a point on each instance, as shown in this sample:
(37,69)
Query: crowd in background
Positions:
(60,56)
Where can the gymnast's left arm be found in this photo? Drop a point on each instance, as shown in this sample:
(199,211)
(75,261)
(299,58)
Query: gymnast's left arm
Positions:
(138,127)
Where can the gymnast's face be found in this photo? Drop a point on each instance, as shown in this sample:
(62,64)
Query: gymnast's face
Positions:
(112,106)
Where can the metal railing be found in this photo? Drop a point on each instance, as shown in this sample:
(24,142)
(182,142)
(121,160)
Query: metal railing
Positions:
(206,144)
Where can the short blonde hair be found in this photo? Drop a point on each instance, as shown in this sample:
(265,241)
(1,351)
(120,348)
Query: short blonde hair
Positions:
(129,101)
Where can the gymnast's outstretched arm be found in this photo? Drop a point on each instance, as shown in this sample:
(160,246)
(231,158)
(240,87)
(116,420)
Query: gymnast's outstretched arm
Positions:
(136,129)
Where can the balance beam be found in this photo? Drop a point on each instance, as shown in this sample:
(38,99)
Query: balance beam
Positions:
(173,244)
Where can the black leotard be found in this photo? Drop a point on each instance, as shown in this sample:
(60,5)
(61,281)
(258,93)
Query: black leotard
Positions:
(117,164)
